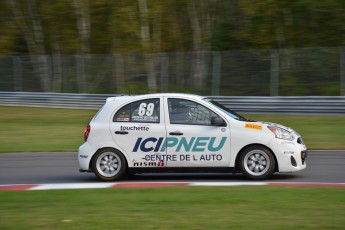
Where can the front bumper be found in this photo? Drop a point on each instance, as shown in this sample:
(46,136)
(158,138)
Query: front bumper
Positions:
(291,156)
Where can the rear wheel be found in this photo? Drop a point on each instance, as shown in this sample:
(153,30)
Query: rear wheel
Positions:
(257,162)
(109,164)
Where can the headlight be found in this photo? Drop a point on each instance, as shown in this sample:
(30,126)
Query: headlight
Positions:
(281,133)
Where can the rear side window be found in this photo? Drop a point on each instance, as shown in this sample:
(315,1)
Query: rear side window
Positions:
(143,111)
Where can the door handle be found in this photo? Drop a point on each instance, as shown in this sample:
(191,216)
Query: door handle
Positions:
(121,132)
(176,133)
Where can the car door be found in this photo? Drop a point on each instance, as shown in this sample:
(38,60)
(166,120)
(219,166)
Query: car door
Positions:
(192,140)
(138,130)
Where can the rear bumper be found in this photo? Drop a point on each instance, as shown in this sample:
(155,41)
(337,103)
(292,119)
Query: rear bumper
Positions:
(85,154)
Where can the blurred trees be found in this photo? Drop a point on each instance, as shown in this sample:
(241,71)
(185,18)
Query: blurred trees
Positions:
(100,26)
(145,27)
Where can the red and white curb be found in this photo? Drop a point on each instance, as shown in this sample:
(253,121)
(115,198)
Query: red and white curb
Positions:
(13,187)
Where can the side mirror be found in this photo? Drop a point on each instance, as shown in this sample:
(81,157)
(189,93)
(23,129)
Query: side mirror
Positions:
(217,121)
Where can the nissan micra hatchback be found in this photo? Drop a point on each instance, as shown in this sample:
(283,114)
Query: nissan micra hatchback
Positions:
(184,133)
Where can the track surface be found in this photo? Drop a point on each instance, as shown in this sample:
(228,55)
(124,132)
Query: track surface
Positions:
(38,168)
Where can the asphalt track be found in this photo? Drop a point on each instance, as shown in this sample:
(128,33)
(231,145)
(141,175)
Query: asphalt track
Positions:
(39,168)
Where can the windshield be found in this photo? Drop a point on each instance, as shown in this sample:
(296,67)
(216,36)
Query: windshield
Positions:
(229,112)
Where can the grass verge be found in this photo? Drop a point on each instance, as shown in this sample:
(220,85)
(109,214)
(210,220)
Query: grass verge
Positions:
(25,129)
(242,207)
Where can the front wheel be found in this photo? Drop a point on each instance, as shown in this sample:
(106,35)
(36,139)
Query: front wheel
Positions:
(109,164)
(257,162)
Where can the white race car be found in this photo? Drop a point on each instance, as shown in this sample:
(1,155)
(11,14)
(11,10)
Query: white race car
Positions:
(184,133)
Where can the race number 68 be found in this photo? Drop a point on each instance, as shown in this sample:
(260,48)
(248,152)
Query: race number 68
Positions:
(146,109)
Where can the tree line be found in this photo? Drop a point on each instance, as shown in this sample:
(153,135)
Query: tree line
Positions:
(83,27)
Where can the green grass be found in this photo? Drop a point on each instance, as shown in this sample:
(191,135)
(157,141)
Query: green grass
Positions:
(25,129)
(37,129)
(175,208)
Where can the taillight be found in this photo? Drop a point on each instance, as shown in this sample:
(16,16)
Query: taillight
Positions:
(87,132)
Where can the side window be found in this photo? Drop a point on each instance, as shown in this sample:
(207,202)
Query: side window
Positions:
(144,111)
(123,114)
(188,112)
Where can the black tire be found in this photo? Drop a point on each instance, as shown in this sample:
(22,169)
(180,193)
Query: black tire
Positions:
(257,163)
(109,164)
